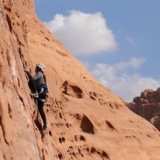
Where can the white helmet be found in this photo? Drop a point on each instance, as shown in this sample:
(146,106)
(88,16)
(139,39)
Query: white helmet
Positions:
(41,66)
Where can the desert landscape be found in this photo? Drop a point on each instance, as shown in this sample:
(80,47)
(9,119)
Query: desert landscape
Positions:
(86,120)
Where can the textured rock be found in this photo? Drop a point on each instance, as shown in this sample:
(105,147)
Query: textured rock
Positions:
(86,120)
(148,106)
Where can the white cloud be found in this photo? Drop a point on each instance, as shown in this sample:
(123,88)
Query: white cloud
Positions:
(83,33)
(119,79)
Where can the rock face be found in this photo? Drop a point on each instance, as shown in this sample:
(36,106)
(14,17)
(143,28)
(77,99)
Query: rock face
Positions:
(147,105)
(86,120)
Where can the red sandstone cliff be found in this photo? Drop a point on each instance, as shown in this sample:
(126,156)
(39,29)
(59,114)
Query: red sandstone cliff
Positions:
(86,120)
(147,105)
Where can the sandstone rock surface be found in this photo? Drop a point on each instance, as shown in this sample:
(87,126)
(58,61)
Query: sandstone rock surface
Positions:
(147,105)
(86,120)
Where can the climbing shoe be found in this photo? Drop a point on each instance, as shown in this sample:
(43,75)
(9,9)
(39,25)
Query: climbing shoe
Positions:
(35,95)
(44,126)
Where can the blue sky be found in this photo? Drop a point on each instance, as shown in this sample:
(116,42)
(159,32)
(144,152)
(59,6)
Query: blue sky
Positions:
(118,41)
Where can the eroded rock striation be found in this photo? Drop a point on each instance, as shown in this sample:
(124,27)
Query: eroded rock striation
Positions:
(86,120)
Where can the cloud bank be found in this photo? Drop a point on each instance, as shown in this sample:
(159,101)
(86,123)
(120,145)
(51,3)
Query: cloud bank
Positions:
(123,80)
(83,33)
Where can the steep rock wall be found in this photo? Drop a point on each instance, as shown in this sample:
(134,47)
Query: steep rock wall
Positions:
(15,115)
(86,120)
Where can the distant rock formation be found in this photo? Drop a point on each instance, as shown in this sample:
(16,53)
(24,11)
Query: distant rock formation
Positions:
(86,121)
(147,105)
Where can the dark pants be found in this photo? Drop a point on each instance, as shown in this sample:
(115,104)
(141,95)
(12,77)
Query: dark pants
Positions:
(41,111)
(36,87)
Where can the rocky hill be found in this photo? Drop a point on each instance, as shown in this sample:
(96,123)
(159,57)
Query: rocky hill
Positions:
(86,120)
(147,105)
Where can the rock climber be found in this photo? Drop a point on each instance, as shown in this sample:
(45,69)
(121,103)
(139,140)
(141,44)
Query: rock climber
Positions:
(37,84)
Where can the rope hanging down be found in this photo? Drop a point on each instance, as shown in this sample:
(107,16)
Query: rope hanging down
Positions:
(3,17)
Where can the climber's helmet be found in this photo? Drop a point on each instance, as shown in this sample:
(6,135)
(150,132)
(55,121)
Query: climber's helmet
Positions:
(41,66)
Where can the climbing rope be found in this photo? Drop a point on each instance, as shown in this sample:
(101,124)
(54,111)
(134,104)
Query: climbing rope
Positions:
(3,17)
